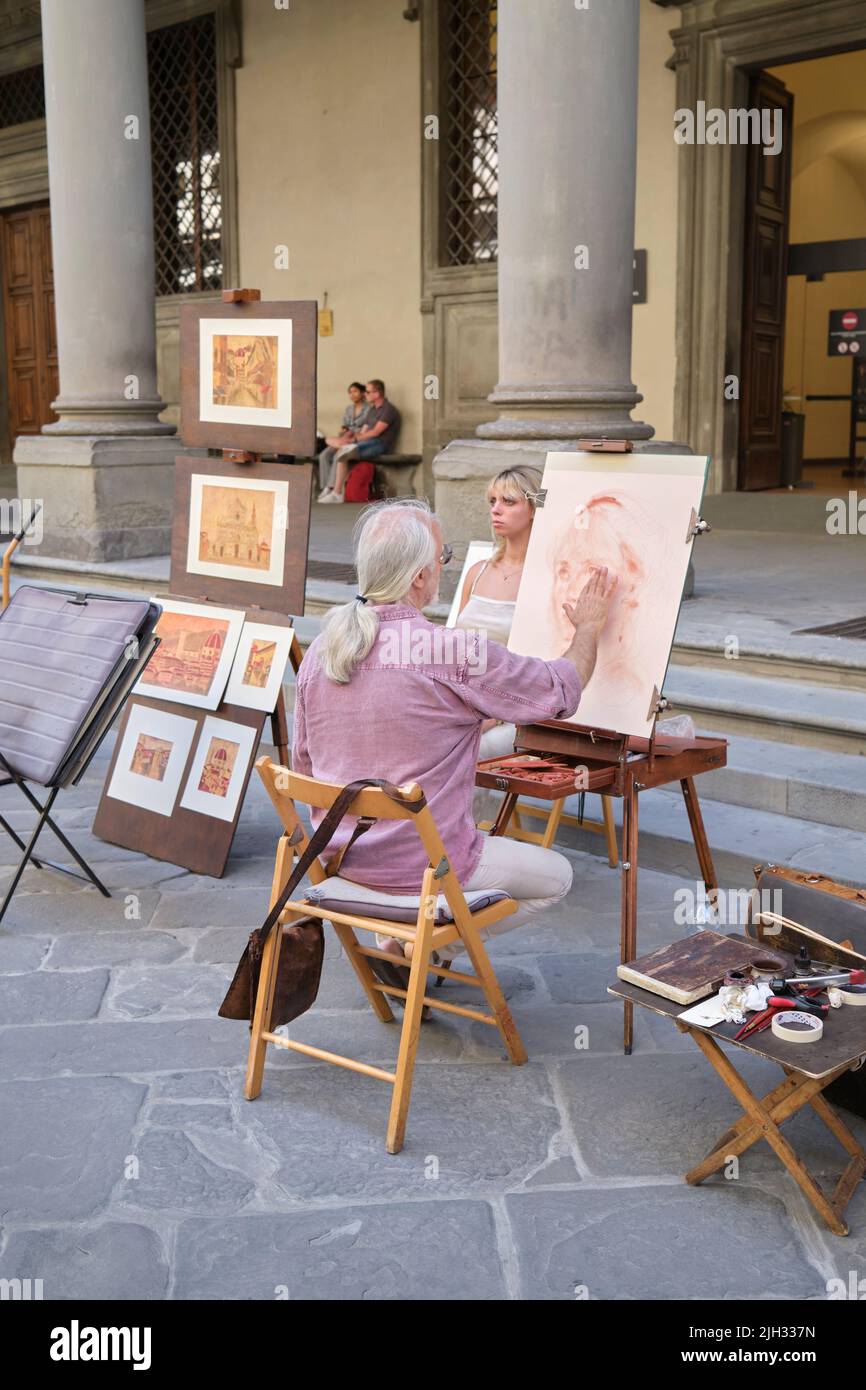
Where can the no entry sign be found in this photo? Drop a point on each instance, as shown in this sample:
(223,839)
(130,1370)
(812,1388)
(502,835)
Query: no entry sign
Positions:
(847,335)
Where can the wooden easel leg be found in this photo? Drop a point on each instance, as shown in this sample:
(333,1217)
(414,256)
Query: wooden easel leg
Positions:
(766,1127)
(699,835)
(552,825)
(628,909)
(506,810)
(609,830)
(280,731)
(412,1008)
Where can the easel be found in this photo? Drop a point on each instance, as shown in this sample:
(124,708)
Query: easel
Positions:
(279,719)
(619,765)
(189,837)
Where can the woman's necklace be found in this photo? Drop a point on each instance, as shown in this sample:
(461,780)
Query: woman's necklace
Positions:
(505,577)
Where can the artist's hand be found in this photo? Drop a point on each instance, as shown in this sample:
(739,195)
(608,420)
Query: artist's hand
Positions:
(590,608)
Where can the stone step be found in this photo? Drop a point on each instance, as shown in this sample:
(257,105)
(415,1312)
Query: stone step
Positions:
(811,784)
(739,839)
(820,667)
(803,713)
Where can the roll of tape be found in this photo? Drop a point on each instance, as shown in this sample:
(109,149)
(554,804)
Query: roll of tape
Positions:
(794,1026)
(848,997)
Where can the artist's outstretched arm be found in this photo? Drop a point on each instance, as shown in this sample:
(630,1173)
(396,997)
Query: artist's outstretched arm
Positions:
(588,615)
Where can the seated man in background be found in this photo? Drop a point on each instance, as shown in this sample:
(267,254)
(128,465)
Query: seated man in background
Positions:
(378,436)
(355,417)
(373,700)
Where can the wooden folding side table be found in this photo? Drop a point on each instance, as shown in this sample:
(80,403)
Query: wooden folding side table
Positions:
(809,1068)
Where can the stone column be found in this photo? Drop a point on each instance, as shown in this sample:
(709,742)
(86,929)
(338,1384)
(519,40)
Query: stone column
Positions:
(102,469)
(567,106)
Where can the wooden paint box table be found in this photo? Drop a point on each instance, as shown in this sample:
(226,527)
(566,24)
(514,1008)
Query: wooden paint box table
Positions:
(809,1068)
(617,766)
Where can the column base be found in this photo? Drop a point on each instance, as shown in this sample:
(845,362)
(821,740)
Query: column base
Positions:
(463,469)
(103,498)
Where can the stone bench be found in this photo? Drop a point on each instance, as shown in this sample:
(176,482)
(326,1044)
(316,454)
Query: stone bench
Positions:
(395,474)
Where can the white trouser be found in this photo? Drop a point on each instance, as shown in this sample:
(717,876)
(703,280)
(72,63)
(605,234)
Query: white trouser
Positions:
(535,877)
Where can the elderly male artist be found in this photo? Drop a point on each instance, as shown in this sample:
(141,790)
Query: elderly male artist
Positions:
(370,703)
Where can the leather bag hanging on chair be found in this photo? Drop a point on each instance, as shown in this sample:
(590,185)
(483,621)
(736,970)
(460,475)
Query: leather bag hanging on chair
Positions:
(302,948)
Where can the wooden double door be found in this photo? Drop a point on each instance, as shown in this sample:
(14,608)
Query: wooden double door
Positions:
(28,319)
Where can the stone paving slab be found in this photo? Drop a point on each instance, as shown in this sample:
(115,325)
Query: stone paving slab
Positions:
(669,1242)
(415,1250)
(119,1260)
(63,1144)
(47,997)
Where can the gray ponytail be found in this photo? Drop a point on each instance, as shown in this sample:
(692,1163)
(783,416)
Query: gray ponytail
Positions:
(393,541)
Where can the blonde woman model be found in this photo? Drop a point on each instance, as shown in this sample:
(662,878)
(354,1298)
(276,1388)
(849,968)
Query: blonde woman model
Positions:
(490,588)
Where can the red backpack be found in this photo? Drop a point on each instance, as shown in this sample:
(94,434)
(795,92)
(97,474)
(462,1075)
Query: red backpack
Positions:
(359,482)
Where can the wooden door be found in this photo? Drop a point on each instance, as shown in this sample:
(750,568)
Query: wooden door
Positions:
(768,197)
(28,316)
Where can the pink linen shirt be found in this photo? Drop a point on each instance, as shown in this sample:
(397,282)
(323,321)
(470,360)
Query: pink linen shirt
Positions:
(417,721)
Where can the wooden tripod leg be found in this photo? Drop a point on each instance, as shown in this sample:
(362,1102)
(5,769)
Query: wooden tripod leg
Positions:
(506,810)
(628,906)
(769,1130)
(552,825)
(280,731)
(699,835)
(412,1008)
(609,830)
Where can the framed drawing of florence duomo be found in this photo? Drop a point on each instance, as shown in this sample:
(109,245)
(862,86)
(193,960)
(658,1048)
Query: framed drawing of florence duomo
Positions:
(240,533)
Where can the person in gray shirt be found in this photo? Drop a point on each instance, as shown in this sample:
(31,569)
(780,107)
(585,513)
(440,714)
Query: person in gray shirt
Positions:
(355,417)
(377,437)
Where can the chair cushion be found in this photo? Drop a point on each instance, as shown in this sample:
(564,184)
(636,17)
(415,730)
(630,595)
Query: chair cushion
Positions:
(341,895)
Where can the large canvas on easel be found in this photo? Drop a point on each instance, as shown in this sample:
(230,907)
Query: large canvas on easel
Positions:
(632,513)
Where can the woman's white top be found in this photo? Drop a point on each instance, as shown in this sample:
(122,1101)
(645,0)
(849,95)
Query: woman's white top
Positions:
(493,615)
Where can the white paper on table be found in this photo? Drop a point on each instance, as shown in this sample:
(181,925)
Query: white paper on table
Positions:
(706,1013)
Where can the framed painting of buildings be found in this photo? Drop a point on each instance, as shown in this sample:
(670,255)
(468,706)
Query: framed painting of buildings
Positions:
(633,514)
(248,376)
(183,811)
(240,533)
(198,644)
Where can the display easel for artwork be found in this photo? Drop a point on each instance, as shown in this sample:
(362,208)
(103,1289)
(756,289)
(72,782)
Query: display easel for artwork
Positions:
(620,765)
(188,837)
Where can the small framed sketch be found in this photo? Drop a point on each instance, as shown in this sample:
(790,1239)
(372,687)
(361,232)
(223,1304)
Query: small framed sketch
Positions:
(240,532)
(219,769)
(151,757)
(176,783)
(248,376)
(197,646)
(259,666)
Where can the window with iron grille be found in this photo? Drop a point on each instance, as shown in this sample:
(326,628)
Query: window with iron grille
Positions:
(187,203)
(184,121)
(468,133)
(22,97)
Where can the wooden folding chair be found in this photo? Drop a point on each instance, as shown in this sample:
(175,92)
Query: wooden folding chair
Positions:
(285,788)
